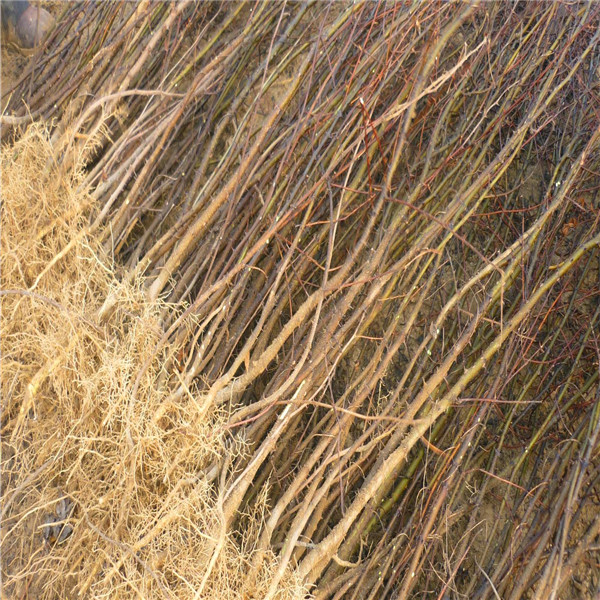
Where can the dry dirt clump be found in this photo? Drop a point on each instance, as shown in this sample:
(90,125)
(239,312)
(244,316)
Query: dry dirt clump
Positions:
(109,483)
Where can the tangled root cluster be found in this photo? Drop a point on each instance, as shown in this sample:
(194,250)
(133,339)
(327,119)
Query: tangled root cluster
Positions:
(111,487)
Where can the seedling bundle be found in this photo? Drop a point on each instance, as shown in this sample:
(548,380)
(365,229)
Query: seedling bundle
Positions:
(304,299)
